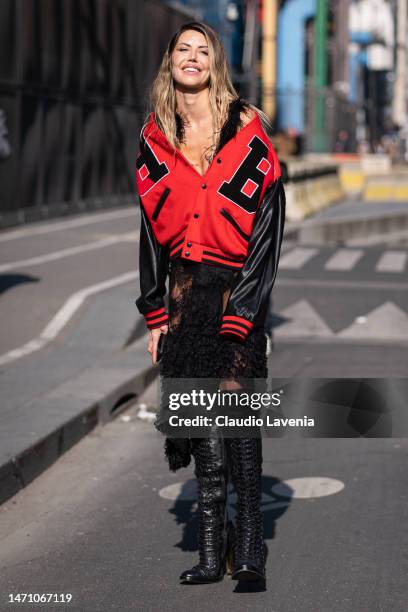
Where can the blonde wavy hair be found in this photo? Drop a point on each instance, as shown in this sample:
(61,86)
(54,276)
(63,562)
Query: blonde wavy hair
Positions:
(162,94)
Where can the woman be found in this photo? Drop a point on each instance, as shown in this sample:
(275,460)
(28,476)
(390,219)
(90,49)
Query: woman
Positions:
(212,216)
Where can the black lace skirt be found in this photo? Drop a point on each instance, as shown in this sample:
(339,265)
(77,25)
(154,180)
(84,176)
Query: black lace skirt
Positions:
(198,294)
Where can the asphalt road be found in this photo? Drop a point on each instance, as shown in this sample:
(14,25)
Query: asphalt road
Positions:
(45,263)
(109,524)
(331,296)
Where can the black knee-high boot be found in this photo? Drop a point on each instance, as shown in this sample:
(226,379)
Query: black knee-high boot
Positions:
(211,470)
(246,473)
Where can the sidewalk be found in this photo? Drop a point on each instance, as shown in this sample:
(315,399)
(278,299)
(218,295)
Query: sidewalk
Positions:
(355,222)
(55,396)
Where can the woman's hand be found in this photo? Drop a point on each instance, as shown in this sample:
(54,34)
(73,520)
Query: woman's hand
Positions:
(154,341)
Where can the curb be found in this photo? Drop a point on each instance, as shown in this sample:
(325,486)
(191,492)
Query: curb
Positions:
(118,387)
(351,227)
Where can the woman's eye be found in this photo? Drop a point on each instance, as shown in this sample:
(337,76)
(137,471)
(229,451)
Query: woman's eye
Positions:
(185,49)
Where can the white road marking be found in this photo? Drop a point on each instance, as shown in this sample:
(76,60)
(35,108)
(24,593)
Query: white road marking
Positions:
(296,488)
(58,322)
(388,322)
(68,252)
(392,261)
(308,487)
(295,259)
(182,491)
(344,259)
(303,321)
(44,228)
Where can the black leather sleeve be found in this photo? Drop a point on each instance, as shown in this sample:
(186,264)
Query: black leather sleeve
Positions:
(153,269)
(248,300)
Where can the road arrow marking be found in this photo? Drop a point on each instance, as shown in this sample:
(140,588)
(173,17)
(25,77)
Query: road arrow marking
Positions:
(303,321)
(388,321)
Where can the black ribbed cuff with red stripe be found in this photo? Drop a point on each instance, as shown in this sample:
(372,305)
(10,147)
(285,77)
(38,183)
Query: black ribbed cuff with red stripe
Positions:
(235,328)
(156,318)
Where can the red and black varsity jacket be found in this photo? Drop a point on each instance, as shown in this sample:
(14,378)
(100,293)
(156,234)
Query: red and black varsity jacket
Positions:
(232,216)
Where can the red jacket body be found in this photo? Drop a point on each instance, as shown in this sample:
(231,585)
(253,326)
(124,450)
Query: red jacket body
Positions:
(206,218)
(233,216)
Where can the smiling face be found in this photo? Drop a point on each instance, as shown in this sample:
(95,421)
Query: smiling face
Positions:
(190,61)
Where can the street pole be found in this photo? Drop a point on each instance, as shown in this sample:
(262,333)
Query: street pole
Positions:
(320,74)
(250,52)
(399,113)
(269,27)
(341,50)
